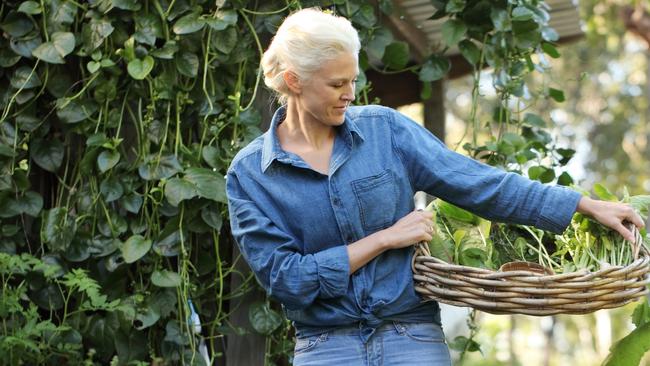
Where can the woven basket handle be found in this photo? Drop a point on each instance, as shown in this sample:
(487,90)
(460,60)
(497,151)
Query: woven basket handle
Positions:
(421,248)
(638,241)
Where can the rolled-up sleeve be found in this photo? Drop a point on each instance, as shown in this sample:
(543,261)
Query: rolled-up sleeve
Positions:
(290,277)
(487,191)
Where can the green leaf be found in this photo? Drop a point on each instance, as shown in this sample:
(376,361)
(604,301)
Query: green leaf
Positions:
(264,319)
(93,66)
(448,210)
(531,119)
(177,190)
(30,7)
(48,53)
(64,42)
(534,172)
(212,217)
(165,278)
(455,6)
(187,63)
(453,30)
(222,19)
(209,184)
(132,5)
(226,40)
(8,58)
(75,111)
(31,203)
(167,51)
(557,95)
(16,25)
(462,343)
(549,34)
(189,23)
(111,189)
(94,33)
(521,13)
(435,68)
(641,313)
(135,248)
(107,160)
(526,34)
(396,55)
(565,179)
(630,349)
(47,154)
(139,69)
(132,202)
(550,50)
(154,169)
(470,51)
(211,156)
(54,51)
(603,193)
(24,78)
(473,257)
(381,38)
(500,19)
(148,28)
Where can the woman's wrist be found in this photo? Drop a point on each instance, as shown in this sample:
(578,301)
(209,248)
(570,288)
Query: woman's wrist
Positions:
(585,206)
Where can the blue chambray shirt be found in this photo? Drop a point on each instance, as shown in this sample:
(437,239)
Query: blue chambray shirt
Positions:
(292,224)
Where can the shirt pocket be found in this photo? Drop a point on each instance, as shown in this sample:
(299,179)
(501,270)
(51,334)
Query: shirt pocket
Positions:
(377,199)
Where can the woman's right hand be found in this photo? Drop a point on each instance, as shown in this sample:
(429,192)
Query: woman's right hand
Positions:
(415,227)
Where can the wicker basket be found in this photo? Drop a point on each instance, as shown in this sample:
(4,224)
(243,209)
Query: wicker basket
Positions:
(528,292)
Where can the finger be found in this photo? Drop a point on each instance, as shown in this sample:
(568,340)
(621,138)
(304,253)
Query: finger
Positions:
(625,232)
(636,219)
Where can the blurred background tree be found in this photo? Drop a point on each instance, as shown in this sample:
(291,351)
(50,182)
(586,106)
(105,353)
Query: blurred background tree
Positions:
(604,77)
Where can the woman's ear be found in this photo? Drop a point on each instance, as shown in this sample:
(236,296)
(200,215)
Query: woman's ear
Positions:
(292,81)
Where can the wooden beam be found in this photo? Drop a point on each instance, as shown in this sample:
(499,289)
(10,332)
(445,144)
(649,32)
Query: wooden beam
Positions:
(404,29)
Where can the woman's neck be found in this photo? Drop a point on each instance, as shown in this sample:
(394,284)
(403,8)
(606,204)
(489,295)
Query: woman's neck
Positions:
(300,128)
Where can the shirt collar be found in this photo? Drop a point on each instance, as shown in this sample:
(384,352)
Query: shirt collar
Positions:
(272,150)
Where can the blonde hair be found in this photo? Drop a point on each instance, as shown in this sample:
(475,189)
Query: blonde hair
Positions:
(303,42)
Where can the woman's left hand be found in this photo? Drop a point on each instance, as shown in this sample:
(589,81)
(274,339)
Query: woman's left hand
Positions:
(611,214)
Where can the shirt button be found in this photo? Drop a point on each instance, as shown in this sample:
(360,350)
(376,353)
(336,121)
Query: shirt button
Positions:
(336,201)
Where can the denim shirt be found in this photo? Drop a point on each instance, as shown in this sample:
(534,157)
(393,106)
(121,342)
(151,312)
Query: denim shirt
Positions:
(292,223)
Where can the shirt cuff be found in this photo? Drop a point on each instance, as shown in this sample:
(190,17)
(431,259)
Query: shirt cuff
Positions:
(333,271)
(559,206)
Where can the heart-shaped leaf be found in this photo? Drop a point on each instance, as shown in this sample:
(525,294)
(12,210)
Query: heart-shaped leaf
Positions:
(47,154)
(189,23)
(165,278)
(139,69)
(264,319)
(107,160)
(435,68)
(178,189)
(111,189)
(135,248)
(453,31)
(396,55)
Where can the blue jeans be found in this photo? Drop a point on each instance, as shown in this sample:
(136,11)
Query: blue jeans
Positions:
(396,343)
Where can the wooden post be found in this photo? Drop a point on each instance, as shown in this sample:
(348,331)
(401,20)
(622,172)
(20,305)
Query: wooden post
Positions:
(434,110)
(248,349)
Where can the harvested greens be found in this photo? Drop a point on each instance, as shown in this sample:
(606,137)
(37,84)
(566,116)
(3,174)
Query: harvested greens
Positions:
(469,240)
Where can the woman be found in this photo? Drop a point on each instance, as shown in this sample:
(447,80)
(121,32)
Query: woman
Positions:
(321,205)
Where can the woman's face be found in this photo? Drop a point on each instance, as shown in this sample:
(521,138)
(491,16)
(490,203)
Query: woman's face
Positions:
(329,91)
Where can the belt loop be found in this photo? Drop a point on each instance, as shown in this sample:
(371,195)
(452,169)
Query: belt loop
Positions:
(399,327)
